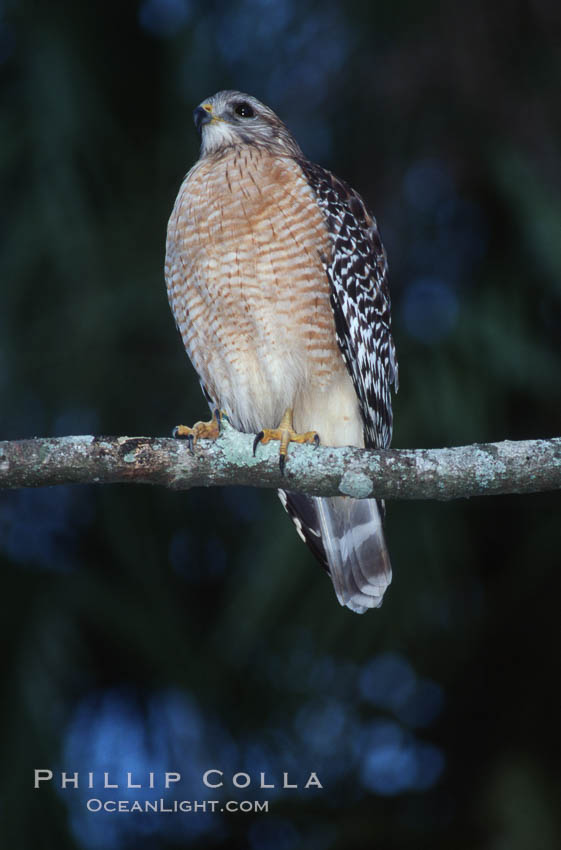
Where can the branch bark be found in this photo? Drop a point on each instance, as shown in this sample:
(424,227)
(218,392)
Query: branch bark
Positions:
(527,466)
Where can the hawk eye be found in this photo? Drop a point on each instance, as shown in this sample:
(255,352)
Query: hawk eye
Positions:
(244,110)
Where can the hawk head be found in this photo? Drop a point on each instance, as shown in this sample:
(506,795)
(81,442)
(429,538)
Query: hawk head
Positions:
(231,118)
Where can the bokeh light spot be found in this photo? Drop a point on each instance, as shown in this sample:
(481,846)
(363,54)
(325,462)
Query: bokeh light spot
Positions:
(388,765)
(426,184)
(430,309)
(387,681)
(164,18)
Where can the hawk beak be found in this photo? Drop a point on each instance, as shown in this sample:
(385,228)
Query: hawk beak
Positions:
(202,115)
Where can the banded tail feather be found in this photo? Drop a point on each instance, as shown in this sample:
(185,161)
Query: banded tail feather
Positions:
(347,538)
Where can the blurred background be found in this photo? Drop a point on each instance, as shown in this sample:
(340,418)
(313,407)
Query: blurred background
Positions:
(146,630)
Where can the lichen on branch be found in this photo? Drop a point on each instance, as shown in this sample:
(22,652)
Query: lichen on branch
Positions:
(526,466)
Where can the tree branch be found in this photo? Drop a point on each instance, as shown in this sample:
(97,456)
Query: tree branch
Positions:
(528,466)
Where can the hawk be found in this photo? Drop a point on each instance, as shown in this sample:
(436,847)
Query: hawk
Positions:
(277,280)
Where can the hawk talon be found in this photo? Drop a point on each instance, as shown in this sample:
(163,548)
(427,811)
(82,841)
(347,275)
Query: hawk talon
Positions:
(200,431)
(257,440)
(286,434)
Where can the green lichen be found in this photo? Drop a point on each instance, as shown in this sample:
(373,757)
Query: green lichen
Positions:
(356,484)
(237,447)
(488,469)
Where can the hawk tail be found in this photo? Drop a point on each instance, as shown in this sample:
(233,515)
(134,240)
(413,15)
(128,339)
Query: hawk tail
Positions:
(347,538)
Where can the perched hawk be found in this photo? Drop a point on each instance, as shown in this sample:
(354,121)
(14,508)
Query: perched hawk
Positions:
(277,280)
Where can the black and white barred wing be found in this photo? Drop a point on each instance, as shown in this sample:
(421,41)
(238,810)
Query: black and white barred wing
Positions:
(345,534)
(357,271)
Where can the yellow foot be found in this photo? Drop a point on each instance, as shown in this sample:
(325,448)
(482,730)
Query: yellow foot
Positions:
(286,434)
(201,430)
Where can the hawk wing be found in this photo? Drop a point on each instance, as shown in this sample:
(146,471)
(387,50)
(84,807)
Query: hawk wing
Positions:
(360,298)
(346,535)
